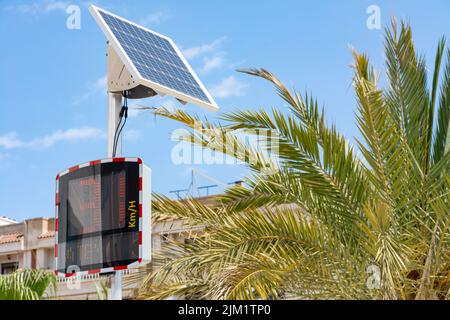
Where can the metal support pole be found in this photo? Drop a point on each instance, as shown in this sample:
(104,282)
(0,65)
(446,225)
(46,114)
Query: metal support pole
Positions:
(114,106)
(115,292)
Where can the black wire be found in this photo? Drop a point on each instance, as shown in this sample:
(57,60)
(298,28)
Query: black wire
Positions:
(120,131)
(119,128)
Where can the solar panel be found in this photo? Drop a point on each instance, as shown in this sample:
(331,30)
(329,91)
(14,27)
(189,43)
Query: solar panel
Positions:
(153,59)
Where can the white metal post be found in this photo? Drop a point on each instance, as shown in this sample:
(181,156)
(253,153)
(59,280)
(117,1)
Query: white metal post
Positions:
(115,292)
(114,106)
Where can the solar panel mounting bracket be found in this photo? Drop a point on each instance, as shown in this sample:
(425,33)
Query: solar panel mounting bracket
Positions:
(120,79)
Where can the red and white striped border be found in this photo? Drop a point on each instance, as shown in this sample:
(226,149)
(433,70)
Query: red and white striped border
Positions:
(100,270)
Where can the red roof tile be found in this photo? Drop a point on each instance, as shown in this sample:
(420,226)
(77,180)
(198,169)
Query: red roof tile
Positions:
(48,234)
(10,238)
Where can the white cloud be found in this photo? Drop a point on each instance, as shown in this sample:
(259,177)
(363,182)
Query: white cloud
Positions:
(4,163)
(74,134)
(11,141)
(101,84)
(229,87)
(211,64)
(193,52)
(154,18)
(25,8)
(171,104)
(56,5)
(168,102)
(132,113)
(96,87)
(214,57)
(132,135)
(38,7)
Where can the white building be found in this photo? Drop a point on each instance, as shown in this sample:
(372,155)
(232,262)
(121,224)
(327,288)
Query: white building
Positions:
(5,221)
(27,244)
(30,245)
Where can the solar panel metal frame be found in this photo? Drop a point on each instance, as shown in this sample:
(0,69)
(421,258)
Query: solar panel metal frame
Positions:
(114,42)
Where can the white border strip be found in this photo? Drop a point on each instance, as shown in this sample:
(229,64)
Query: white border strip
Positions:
(109,269)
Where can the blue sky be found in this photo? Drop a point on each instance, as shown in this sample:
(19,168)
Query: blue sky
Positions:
(53,91)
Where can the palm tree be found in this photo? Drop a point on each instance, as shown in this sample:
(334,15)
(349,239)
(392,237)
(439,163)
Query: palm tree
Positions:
(330,220)
(26,284)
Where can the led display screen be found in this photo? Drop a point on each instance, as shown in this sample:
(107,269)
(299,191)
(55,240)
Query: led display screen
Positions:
(98,216)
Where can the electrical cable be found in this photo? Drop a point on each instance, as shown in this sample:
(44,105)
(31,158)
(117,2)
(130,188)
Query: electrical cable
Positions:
(120,132)
(115,135)
(123,114)
(119,128)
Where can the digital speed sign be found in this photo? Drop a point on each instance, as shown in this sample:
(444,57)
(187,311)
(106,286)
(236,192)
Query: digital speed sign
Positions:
(103,221)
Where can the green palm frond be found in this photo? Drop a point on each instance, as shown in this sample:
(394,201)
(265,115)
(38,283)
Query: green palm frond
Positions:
(26,284)
(219,139)
(323,222)
(442,135)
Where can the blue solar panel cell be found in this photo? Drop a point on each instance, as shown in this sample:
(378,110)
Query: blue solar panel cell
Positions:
(155,58)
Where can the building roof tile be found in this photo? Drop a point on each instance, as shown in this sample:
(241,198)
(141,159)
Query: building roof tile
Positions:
(48,234)
(10,238)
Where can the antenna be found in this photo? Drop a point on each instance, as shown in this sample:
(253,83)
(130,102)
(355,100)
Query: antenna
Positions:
(207,177)
(193,185)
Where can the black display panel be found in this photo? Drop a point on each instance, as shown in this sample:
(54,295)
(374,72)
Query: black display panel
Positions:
(98,217)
